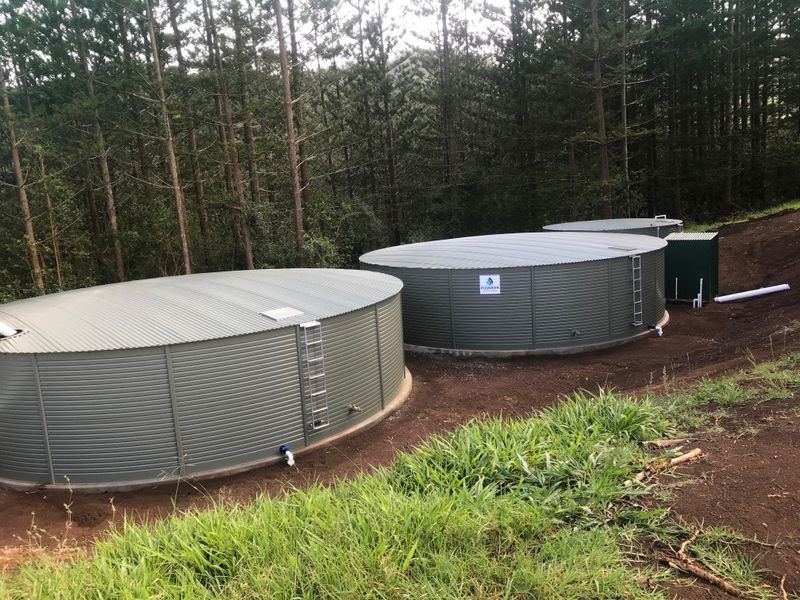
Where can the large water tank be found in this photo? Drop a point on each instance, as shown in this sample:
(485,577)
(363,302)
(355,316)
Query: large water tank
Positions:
(150,381)
(527,292)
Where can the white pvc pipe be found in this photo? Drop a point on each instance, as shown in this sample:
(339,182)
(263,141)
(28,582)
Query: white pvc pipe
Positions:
(753,293)
(6,330)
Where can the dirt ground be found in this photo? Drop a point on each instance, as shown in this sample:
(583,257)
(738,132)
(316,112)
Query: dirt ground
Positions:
(748,480)
(448,391)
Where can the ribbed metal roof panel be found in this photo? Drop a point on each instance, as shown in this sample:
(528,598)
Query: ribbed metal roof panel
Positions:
(692,236)
(611,224)
(513,250)
(186,308)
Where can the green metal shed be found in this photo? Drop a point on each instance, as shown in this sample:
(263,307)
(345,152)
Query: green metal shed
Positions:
(527,293)
(151,381)
(692,258)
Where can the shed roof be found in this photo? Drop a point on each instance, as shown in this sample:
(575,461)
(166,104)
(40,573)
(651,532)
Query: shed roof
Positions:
(186,308)
(691,236)
(612,224)
(513,250)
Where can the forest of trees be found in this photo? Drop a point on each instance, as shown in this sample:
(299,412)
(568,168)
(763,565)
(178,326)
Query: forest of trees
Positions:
(144,138)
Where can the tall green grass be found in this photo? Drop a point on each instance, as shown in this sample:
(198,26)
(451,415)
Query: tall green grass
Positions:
(498,509)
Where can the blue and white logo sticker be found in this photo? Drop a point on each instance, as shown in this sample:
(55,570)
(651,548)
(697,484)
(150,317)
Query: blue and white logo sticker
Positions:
(489,284)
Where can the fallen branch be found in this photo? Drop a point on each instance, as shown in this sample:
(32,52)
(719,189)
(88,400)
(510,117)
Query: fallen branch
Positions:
(686,544)
(661,465)
(784,595)
(694,569)
(685,457)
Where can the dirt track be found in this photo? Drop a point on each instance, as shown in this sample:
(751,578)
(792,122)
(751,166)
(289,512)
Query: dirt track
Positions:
(450,391)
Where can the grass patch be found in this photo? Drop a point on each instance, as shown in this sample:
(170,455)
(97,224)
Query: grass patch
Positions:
(759,382)
(745,217)
(496,509)
(720,549)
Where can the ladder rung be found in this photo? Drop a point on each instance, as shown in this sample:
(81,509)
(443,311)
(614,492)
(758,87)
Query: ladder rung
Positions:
(316,376)
(317,393)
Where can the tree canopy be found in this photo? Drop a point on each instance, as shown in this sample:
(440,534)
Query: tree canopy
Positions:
(145,138)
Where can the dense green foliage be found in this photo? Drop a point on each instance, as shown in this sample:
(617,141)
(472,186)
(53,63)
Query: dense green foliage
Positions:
(405,135)
(499,509)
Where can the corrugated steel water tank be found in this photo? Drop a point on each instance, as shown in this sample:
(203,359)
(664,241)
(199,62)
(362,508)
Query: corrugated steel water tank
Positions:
(151,381)
(527,293)
(659,226)
(692,259)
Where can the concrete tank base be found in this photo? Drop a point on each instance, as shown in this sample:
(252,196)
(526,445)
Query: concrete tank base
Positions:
(391,406)
(535,352)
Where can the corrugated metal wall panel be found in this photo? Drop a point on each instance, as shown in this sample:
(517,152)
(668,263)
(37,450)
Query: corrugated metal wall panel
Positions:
(492,321)
(661,232)
(238,399)
(570,299)
(22,450)
(109,415)
(426,305)
(352,374)
(653,286)
(390,330)
(620,279)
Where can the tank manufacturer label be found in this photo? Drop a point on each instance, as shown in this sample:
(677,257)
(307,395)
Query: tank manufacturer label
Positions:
(489,284)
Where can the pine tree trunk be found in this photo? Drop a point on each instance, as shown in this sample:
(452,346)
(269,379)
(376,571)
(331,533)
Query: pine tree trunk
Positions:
(607,206)
(102,155)
(172,158)
(191,135)
(448,119)
(30,237)
(134,110)
(94,221)
(289,118)
(624,107)
(323,107)
(51,219)
(21,75)
(252,170)
(731,111)
(222,133)
(393,212)
(230,148)
(297,96)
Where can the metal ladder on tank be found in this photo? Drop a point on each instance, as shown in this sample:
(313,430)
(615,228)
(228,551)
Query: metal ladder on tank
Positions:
(636,278)
(315,393)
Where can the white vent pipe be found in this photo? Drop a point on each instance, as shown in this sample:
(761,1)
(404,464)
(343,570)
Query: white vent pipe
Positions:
(6,330)
(753,293)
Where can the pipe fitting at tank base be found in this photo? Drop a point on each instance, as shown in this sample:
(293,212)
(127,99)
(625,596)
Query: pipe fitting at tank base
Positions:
(287,454)
(657,328)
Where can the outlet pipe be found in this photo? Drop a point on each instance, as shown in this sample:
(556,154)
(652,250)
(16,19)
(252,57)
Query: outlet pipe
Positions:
(287,454)
(753,293)
(658,329)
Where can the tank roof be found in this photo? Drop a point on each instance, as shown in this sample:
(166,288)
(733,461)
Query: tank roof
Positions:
(692,236)
(612,224)
(510,250)
(187,308)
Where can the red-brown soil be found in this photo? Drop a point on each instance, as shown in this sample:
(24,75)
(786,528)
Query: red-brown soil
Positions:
(448,391)
(749,480)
